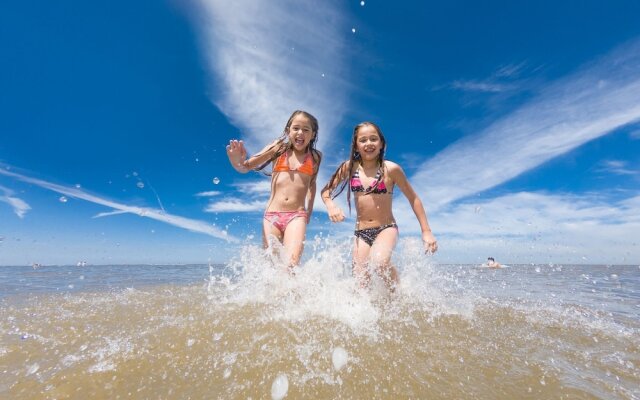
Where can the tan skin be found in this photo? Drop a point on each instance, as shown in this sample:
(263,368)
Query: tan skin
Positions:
(290,190)
(374,210)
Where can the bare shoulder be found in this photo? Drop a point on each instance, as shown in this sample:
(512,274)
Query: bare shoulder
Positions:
(317,155)
(393,168)
(390,165)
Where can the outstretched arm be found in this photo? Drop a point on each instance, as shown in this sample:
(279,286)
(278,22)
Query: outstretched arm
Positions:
(335,212)
(400,179)
(237,154)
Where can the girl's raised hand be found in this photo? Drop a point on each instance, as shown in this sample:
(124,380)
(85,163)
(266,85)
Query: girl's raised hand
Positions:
(430,242)
(237,154)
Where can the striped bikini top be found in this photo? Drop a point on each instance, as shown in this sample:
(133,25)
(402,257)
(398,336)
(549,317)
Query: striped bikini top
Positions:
(282,164)
(377,187)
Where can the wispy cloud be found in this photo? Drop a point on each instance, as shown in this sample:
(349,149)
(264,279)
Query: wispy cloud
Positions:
(20,207)
(510,70)
(235,205)
(270,58)
(581,107)
(616,167)
(252,196)
(211,193)
(533,227)
(478,86)
(158,215)
(110,213)
(260,188)
(502,80)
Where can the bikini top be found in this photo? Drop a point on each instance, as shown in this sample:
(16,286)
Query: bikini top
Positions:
(377,187)
(282,164)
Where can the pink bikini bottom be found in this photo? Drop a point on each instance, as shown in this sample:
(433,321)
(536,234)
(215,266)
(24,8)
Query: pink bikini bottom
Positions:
(280,219)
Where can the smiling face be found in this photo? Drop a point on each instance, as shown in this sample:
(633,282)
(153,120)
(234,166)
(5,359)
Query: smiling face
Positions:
(368,142)
(300,132)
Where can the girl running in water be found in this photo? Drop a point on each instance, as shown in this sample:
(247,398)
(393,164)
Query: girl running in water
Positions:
(372,179)
(295,162)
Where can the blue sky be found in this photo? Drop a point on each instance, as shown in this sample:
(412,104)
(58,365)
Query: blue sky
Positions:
(516,122)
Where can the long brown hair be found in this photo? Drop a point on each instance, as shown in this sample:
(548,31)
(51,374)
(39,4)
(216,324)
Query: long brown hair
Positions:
(339,181)
(283,144)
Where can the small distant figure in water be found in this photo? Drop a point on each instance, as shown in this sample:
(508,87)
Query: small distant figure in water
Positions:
(295,163)
(371,180)
(492,263)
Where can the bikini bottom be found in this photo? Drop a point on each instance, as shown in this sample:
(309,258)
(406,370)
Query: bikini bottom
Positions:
(280,219)
(369,235)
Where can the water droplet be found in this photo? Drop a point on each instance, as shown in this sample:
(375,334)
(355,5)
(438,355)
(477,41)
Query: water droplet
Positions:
(63,199)
(323,75)
(339,358)
(279,387)
(353,30)
(216,180)
(362,3)
(78,186)
(140,185)
(197,159)
(134,173)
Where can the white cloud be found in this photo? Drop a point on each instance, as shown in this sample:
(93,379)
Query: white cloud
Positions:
(537,227)
(260,188)
(271,58)
(616,167)
(476,86)
(586,105)
(234,205)
(108,214)
(20,207)
(211,193)
(158,215)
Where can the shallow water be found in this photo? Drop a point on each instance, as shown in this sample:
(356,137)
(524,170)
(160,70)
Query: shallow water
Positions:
(199,331)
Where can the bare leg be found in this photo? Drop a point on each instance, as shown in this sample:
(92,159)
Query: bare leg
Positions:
(380,256)
(361,262)
(293,240)
(268,229)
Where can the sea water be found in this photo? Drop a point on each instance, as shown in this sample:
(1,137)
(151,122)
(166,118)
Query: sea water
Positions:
(248,329)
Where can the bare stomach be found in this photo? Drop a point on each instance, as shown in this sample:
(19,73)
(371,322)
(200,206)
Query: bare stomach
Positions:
(373,211)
